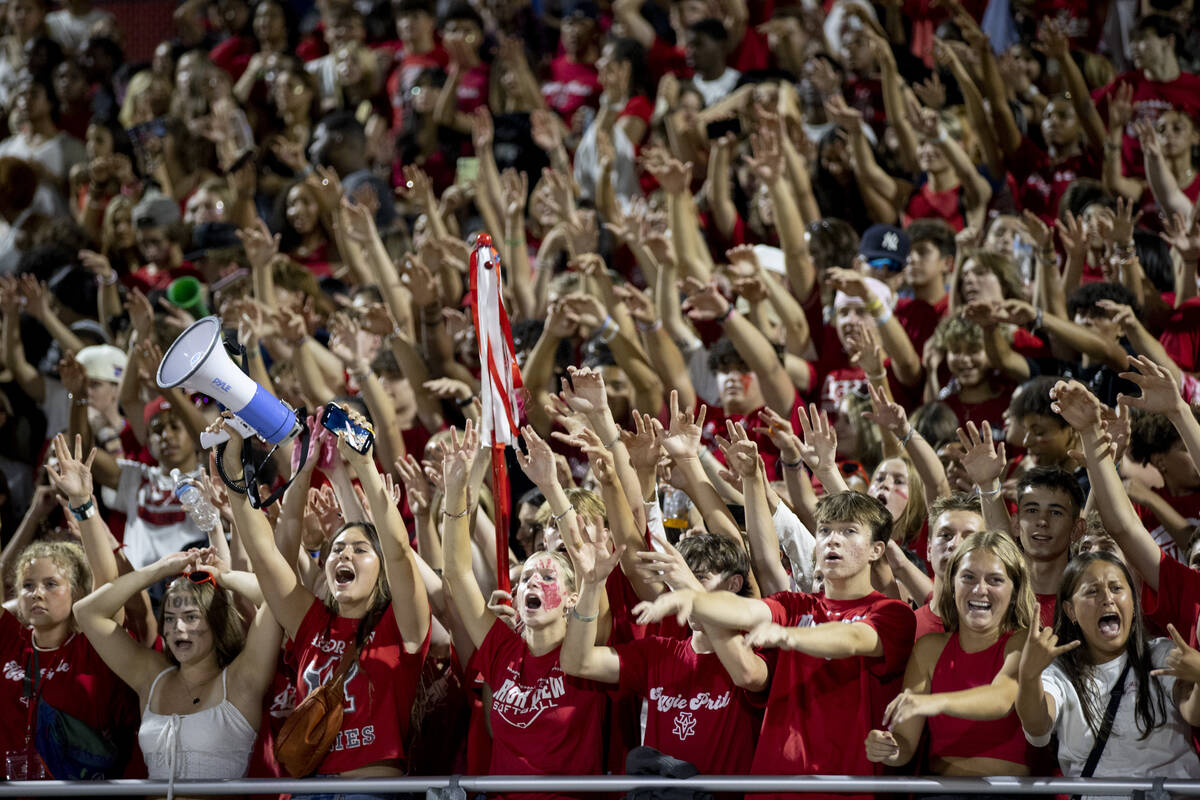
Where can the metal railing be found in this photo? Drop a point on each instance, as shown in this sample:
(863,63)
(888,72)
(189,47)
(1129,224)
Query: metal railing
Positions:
(452,785)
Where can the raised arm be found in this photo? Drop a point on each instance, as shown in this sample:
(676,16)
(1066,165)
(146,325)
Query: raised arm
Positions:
(95,615)
(681,441)
(594,562)
(705,302)
(741,453)
(1035,706)
(288,598)
(410,604)
(1053,41)
(468,600)
(890,415)
(984,464)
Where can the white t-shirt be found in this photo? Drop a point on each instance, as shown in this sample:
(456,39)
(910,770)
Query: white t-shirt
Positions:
(718,88)
(69,30)
(156,523)
(1166,753)
(798,543)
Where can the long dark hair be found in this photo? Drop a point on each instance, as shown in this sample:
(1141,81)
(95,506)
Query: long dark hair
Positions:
(381,595)
(1150,705)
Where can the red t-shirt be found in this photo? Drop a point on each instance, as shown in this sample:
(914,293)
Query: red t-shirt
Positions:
(664,57)
(990,410)
(925,203)
(233,55)
(1177,600)
(1042,183)
(920,319)
(570,87)
(1150,99)
(74,680)
(473,88)
(810,698)
(409,67)
(379,690)
(1181,335)
(1188,506)
(544,722)
(928,622)
(695,711)
(1046,603)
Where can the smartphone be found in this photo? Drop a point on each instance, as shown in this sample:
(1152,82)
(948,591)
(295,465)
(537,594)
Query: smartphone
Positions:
(466,171)
(359,437)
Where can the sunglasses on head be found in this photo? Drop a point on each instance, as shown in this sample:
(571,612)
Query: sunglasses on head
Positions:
(199,576)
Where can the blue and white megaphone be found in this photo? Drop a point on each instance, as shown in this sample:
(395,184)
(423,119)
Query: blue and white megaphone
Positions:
(197,362)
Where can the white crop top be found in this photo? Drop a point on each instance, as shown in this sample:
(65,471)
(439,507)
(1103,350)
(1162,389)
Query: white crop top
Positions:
(213,744)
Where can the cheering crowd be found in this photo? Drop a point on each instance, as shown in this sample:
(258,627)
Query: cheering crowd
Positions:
(858,428)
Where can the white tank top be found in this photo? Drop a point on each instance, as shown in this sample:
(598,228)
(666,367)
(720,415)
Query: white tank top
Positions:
(213,744)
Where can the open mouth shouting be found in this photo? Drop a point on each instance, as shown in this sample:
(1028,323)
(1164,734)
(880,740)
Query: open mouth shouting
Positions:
(343,576)
(1109,625)
(532,602)
(979,606)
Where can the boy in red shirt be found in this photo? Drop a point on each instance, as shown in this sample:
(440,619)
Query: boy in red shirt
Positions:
(930,261)
(840,656)
(1155,441)
(696,712)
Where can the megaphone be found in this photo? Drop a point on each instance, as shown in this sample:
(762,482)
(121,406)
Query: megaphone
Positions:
(197,362)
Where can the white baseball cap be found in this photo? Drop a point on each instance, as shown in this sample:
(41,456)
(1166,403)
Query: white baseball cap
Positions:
(103,362)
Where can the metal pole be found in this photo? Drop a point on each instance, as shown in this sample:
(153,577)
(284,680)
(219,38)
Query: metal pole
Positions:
(613,783)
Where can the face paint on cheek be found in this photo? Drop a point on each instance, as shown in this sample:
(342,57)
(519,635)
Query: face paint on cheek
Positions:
(900,491)
(746,379)
(553,599)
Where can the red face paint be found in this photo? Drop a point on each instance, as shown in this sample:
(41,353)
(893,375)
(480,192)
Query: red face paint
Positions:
(747,377)
(551,597)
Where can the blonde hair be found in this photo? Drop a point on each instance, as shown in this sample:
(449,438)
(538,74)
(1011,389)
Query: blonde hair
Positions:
(587,504)
(915,512)
(67,556)
(1021,608)
(117,205)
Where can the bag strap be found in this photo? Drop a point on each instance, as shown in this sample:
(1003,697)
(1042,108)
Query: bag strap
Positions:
(1110,713)
(348,661)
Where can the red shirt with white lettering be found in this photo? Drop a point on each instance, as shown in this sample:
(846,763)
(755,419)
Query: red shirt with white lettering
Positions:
(571,86)
(820,710)
(74,680)
(1150,99)
(695,711)
(544,722)
(379,690)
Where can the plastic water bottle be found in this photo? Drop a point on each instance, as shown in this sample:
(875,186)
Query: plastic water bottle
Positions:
(191,496)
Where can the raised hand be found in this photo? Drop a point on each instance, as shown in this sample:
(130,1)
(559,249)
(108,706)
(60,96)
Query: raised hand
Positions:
(538,464)
(704,300)
(887,414)
(584,310)
(545,130)
(583,391)
(743,261)
(260,245)
(865,349)
(1070,232)
(592,553)
(741,452)
(1074,403)
(1183,662)
(458,456)
(767,161)
(667,566)
(514,193)
(73,477)
(345,343)
(640,307)
(644,443)
(780,432)
(501,604)
(1183,236)
(983,461)
(1041,648)
(417,487)
(37,299)
(1160,392)
(681,440)
(818,448)
(674,177)
(73,376)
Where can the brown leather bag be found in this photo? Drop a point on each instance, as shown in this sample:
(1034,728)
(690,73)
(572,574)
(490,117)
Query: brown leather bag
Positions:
(306,735)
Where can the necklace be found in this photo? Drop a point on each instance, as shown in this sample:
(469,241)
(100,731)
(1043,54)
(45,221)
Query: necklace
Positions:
(190,690)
